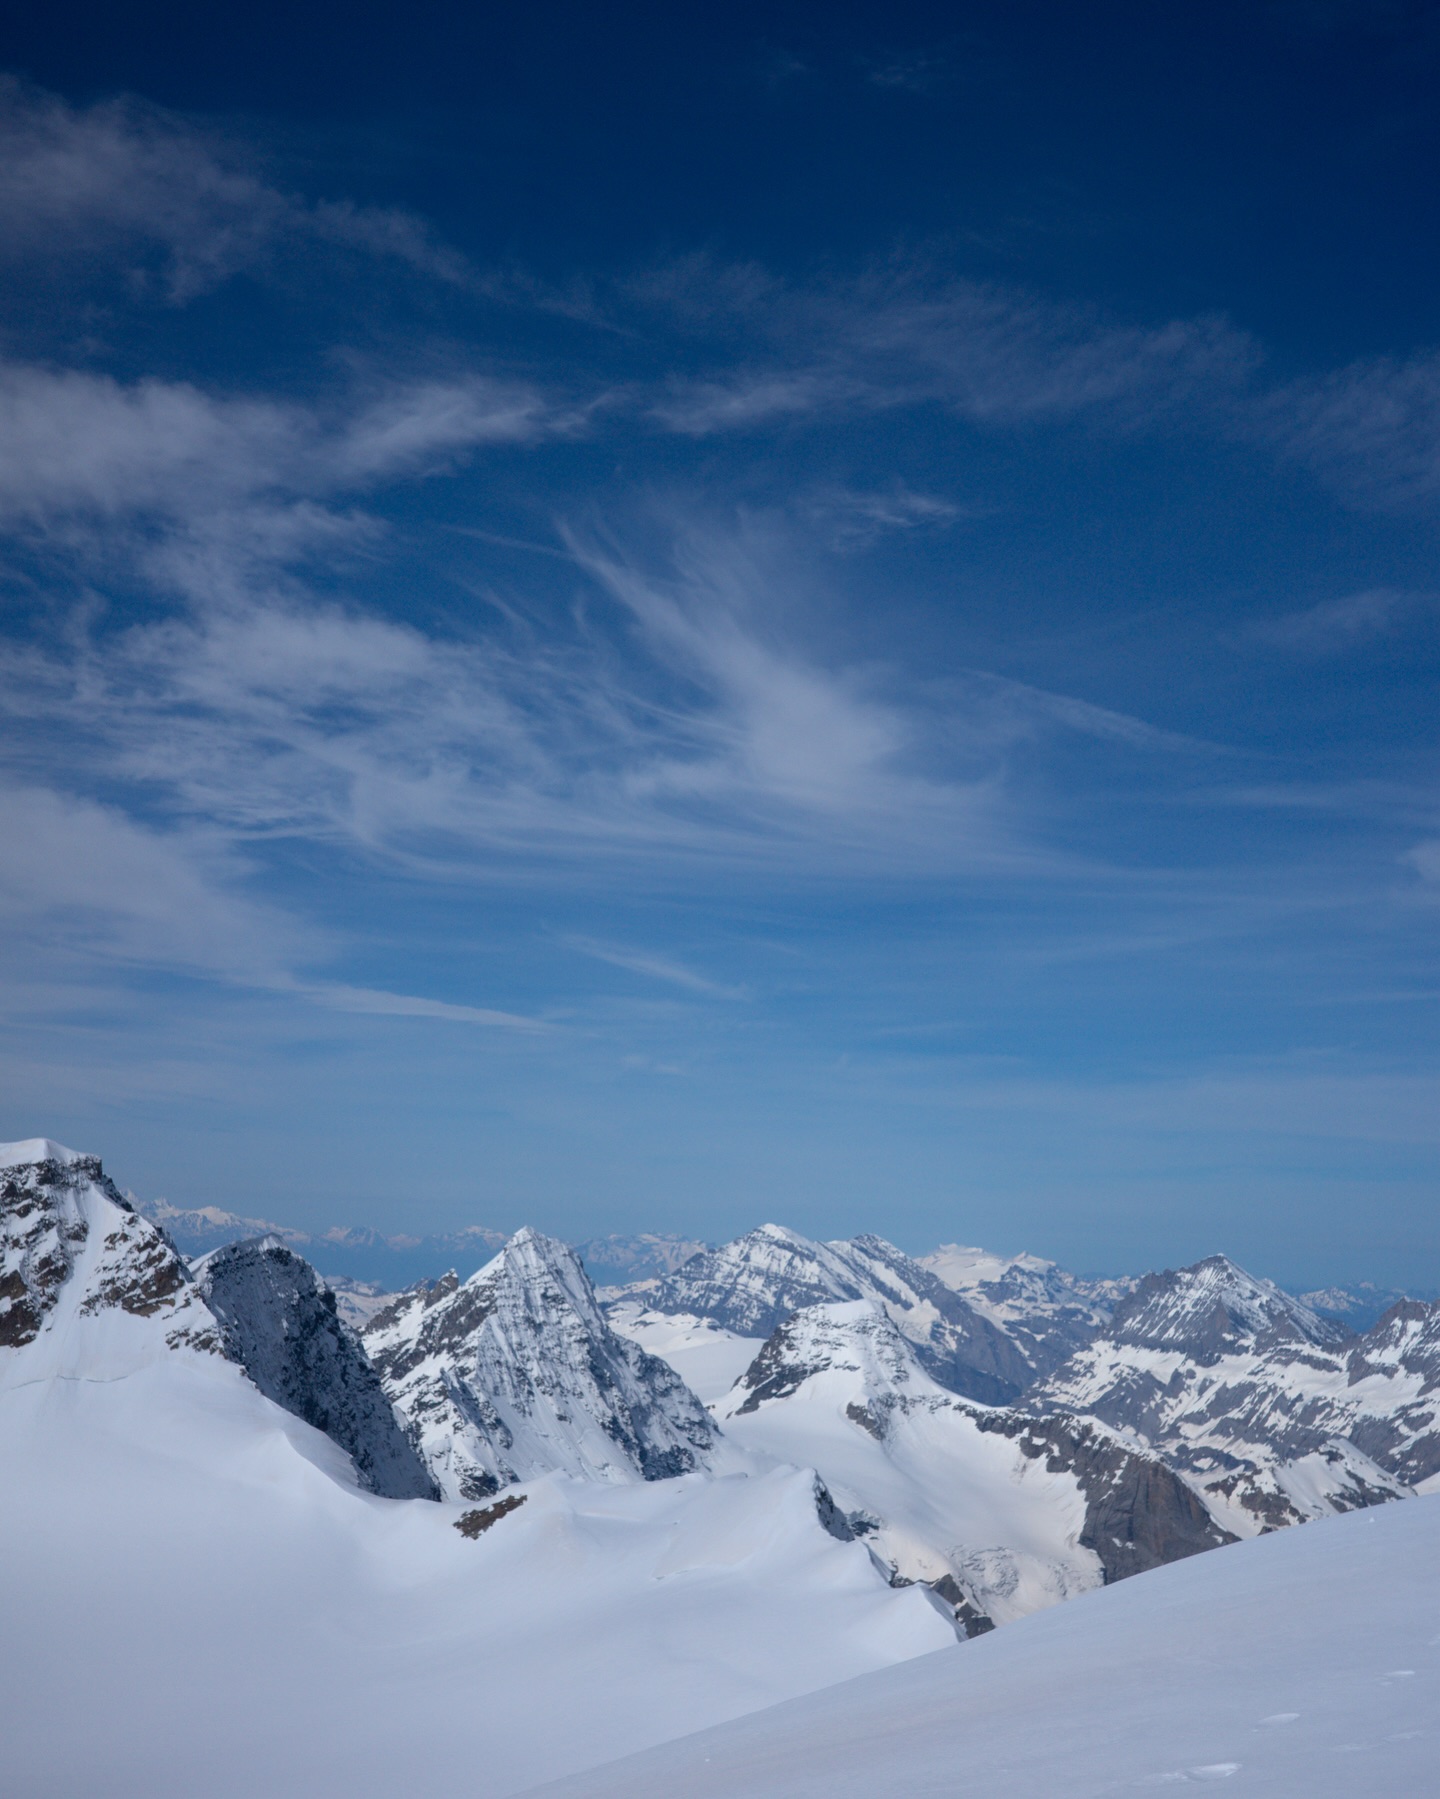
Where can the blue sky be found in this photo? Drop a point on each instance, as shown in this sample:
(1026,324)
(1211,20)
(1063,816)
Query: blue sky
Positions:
(650,618)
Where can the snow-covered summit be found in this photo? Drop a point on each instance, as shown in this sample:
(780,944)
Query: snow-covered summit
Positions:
(1272,1412)
(999,1512)
(751,1285)
(1049,1312)
(39,1149)
(1215,1307)
(84,1282)
(516,1372)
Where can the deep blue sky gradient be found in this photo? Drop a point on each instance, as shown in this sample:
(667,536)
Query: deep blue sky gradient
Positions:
(654,617)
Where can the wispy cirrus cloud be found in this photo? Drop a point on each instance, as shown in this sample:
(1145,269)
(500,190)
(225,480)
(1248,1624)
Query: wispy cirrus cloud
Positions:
(691,721)
(75,443)
(1331,627)
(652,966)
(1370,431)
(903,336)
(184,205)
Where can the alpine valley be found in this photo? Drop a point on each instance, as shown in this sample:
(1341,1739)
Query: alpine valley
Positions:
(283,1532)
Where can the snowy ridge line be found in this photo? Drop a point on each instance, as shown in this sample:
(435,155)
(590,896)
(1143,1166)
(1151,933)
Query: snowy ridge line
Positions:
(1115,1426)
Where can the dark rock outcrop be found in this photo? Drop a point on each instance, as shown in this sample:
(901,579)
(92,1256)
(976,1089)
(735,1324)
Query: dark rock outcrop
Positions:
(279,1322)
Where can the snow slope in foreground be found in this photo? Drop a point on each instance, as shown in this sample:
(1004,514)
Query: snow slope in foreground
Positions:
(1303,1665)
(196,1596)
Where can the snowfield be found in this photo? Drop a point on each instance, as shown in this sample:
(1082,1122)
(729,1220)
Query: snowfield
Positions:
(217,1573)
(198,1598)
(1301,1665)
(198,1594)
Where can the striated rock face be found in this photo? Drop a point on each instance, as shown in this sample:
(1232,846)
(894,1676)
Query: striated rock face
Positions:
(751,1285)
(1274,1413)
(1390,1407)
(280,1323)
(999,1512)
(1214,1308)
(1139,1514)
(516,1372)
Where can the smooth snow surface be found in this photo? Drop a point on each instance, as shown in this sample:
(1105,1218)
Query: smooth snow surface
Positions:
(36,1149)
(708,1358)
(196,1597)
(1302,1665)
(941,1496)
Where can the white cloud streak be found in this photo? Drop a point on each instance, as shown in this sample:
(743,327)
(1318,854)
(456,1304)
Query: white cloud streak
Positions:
(123,181)
(653,967)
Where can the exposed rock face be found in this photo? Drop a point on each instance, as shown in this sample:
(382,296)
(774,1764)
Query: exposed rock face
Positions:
(1213,1308)
(515,1372)
(1390,1407)
(1139,1514)
(1272,1411)
(67,1233)
(78,1261)
(995,1510)
(44,1225)
(1046,1311)
(280,1323)
(751,1285)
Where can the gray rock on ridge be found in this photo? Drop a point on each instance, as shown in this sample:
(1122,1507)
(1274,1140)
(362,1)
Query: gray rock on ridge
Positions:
(751,1285)
(1273,1412)
(516,1372)
(929,1492)
(279,1322)
(1048,1312)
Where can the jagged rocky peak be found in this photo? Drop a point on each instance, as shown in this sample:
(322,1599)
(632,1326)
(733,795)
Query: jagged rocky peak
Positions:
(279,1321)
(516,1372)
(752,1285)
(66,1231)
(1215,1307)
(924,1476)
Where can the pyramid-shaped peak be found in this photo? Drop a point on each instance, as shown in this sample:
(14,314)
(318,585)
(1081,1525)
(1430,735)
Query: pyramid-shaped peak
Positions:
(528,1256)
(1214,1306)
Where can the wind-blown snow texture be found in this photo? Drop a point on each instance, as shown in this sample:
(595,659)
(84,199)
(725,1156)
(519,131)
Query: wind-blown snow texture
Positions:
(1302,1666)
(516,1372)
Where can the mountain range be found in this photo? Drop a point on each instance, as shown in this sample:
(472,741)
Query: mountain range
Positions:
(896,1446)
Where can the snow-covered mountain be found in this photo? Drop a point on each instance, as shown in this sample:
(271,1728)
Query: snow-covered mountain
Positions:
(91,1290)
(647,1255)
(1361,1305)
(751,1285)
(1047,1311)
(1275,1413)
(1001,1512)
(1226,1673)
(516,1372)
(85,1283)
